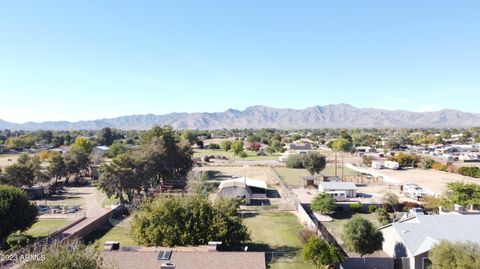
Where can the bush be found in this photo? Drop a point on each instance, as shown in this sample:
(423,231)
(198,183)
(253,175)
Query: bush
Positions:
(372,208)
(438,166)
(295,161)
(16,241)
(213,146)
(409,205)
(469,171)
(426,163)
(367,160)
(355,208)
(305,235)
(382,216)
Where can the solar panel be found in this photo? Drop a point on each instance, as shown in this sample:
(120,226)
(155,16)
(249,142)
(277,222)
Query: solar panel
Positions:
(164,255)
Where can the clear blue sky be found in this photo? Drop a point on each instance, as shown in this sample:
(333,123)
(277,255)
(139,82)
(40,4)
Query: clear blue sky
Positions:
(72,60)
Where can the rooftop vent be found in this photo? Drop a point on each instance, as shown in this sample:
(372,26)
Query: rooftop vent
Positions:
(167,265)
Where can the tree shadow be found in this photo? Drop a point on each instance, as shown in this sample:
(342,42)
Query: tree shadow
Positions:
(400,250)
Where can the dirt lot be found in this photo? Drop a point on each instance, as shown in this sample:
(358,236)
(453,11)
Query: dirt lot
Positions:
(8,159)
(433,181)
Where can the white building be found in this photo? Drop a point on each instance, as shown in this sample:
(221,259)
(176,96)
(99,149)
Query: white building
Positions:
(335,188)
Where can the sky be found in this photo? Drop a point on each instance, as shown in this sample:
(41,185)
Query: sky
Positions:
(83,60)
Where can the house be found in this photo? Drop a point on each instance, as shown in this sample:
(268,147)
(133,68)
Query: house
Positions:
(184,259)
(244,188)
(299,146)
(100,150)
(335,188)
(412,239)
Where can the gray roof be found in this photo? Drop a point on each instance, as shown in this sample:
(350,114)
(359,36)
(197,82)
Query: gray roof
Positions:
(338,185)
(421,233)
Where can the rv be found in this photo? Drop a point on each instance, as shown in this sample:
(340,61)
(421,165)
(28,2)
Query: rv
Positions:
(414,191)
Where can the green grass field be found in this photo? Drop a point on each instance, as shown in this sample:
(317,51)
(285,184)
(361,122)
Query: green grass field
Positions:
(252,156)
(44,227)
(277,231)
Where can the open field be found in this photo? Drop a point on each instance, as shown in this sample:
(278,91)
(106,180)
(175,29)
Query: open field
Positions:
(252,156)
(256,172)
(433,181)
(44,227)
(276,232)
(292,176)
(8,159)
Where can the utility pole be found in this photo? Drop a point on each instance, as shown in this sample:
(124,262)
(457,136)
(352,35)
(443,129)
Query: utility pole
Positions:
(335,163)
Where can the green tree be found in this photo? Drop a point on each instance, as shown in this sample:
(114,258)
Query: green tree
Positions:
(188,220)
(459,255)
(361,236)
(20,174)
(67,255)
(116,148)
(57,167)
(82,143)
(16,212)
(323,203)
(226,145)
(119,178)
(463,193)
(190,136)
(321,253)
(391,199)
(106,137)
(342,144)
(296,161)
(315,162)
(270,150)
(237,146)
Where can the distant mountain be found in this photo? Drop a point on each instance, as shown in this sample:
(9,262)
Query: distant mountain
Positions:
(329,116)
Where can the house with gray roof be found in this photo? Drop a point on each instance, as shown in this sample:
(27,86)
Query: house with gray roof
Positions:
(413,238)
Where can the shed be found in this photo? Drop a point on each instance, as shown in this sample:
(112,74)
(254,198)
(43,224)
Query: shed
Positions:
(349,188)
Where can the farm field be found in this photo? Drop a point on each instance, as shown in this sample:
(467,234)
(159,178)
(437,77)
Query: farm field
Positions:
(44,227)
(277,232)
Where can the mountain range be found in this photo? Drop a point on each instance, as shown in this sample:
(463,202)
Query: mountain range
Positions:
(329,116)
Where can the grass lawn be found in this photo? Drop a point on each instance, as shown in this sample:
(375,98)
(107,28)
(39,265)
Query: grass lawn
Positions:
(252,156)
(336,226)
(276,231)
(109,232)
(44,227)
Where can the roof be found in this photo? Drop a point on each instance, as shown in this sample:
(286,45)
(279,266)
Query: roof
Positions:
(338,185)
(422,232)
(186,260)
(249,181)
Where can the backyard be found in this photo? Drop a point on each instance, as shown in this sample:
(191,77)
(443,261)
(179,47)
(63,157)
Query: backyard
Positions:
(44,227)
(252,156)
(277,232)
(291,176)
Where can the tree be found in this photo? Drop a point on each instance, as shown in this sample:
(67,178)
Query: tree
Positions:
(361,236)
(342,144)
(16,212)
(226,145)
(459,255)
(116,148)
(106,136)
(391,199)
(254,146)
(324,203)
(237,146)
(463,193)
(270,150)
(188,220)
(315,162)
(67,255)
(319,252)
(20,174)
(190,136)
(296,161)
(57,167)
(82,143)
(120,177)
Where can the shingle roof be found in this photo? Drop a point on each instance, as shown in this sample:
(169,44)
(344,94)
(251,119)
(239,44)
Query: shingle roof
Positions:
(338,185)
(420,234)
(186,260)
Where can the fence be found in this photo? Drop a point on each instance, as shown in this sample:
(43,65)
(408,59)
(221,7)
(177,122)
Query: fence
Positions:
(307,217)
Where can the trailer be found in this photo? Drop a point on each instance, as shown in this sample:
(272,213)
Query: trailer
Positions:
(414,191)
(391,165)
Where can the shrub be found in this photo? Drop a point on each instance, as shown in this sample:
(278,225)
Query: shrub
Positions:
(16,241)
(372,208)
(438,166)
(213,146)
(305,235)
(367,160)
(409,205)
(426,163)
(382,216)
(355,208)
(295,161)
(469,171)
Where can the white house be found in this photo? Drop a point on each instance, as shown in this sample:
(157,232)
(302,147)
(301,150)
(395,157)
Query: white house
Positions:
(414,237)
(335,188)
